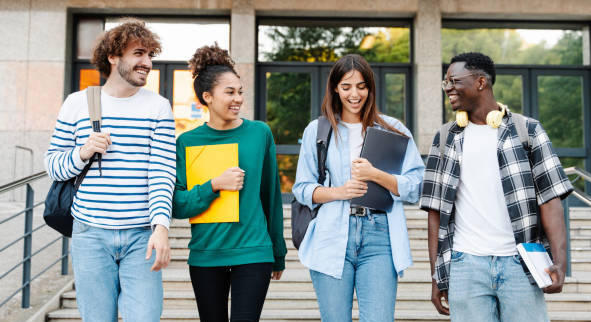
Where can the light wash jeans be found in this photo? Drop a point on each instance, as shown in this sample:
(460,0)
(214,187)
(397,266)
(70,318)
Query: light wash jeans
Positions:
(111,272)
(369,270)
(493,288)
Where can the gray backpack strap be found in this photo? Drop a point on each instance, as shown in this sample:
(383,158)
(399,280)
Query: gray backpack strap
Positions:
(521,127)
(443,132)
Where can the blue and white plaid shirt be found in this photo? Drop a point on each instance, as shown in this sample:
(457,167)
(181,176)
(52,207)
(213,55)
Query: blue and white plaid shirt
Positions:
(530,177)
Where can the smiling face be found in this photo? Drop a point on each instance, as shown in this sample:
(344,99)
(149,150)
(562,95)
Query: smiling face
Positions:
(225,99)
(134,65)
(353,92)
(463,95)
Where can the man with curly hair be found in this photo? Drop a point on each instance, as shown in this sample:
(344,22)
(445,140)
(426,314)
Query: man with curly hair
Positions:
(123,206)
(492,181)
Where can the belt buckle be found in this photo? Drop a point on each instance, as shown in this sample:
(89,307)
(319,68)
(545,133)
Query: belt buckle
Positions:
(359,211)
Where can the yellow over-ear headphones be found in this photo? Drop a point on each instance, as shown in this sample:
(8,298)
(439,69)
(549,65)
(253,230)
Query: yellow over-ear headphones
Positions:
(493,118)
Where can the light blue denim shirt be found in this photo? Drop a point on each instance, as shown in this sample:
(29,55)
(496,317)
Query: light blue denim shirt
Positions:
(324,246)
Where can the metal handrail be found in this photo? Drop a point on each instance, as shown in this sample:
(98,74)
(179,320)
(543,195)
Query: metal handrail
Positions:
(580,173)
(28,254)
(23,181)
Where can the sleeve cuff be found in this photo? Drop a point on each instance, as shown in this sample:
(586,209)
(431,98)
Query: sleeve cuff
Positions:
(403,190)
(308,195)
(279,264)
(77,160)
(160,219)
(205,191)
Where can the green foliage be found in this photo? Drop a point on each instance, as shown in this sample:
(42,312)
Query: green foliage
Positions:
(328,44)
(288,105)
(506,46)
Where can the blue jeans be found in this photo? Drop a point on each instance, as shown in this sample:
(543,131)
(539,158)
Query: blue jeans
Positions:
(111,273)
(492,288)
(368,269)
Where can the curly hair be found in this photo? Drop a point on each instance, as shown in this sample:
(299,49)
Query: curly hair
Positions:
(206,65)
(479,62)
(114,42)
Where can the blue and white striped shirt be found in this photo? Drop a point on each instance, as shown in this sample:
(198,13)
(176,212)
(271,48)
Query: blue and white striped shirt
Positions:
(138,170)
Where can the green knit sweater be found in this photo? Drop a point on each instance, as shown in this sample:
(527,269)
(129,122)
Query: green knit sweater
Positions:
(258,236)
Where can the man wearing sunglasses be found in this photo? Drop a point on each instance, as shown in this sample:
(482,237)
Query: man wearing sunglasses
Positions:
(487,190)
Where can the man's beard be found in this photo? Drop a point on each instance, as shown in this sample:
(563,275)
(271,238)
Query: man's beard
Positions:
(126,72)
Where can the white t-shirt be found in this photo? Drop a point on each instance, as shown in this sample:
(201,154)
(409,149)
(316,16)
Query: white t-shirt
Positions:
(482,223)
(355,139)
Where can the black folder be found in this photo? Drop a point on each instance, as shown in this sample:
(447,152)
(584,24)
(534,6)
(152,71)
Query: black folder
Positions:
(385,150)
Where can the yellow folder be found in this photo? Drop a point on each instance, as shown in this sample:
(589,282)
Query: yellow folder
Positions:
(204,163)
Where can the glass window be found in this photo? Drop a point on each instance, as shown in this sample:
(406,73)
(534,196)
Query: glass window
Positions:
(395,91)
(288,105)
(181,37)
(153,81)
(516,46)
(89,77)
(560,104)
(287,164)
(508,89)
(87,31)
(306,42)
(188,112)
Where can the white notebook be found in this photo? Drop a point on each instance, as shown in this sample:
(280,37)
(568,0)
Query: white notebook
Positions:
(537,259)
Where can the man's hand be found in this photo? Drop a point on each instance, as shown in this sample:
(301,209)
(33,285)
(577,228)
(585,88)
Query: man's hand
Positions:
(276,275)
(96,142)
(436,296)
(557,275)
(231,180)
(362,170)
(159,242)
(552,216)
(352,189)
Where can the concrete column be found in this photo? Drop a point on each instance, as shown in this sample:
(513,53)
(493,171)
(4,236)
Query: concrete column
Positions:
(427,73)
(242,48)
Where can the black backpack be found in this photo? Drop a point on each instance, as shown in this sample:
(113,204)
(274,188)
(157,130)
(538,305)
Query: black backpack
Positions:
(301,215)
(58,203)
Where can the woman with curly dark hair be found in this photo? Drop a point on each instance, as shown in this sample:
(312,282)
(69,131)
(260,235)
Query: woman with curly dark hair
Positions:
(242,256)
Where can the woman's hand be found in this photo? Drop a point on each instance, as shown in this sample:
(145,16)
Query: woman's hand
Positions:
(231,180)
(362,170)
(276,275)
(352,189)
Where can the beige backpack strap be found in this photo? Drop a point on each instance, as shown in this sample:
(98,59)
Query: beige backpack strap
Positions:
(94,105)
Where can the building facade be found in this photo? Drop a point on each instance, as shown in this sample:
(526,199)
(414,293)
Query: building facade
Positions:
(283,51)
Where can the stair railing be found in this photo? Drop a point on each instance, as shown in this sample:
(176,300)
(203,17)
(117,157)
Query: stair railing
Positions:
(27,238)
(580,195)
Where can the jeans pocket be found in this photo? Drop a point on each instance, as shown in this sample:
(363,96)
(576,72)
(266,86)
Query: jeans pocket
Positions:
(380,222)
(457,256)
(79,227)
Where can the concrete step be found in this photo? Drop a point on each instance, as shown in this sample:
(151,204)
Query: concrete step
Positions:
(306,300)
(292,260)
(182,315)
(414,280)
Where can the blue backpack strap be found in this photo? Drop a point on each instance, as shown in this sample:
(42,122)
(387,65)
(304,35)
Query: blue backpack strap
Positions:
(322,140)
